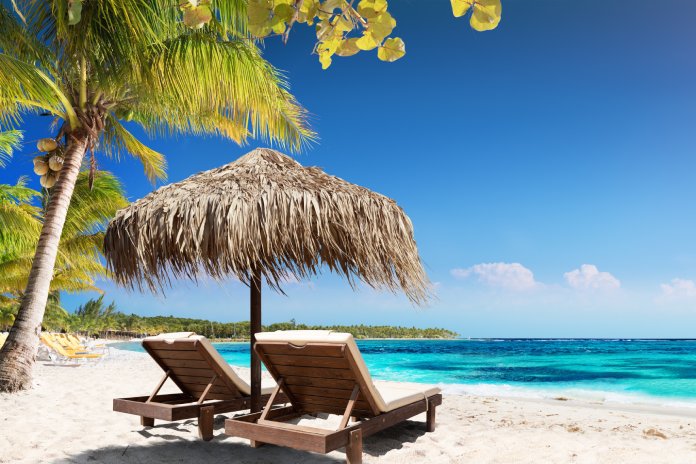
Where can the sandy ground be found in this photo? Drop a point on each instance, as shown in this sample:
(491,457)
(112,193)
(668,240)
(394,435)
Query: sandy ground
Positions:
(67,417)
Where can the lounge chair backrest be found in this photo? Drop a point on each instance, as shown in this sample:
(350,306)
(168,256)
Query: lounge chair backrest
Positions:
(319,370)
(50,341)
(192,362)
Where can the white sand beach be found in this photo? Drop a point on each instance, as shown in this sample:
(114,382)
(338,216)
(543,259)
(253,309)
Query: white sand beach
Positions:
(67,417)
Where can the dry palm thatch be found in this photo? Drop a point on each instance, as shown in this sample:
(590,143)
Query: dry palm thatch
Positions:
(265,213)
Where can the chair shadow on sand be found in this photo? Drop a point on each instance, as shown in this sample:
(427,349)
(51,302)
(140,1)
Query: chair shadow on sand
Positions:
(175,448)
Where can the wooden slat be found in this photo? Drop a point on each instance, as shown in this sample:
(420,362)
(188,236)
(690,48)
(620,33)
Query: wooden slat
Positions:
(337,410)
(324,392)
(307,361)
(200,380)
(178,354)
(275,413)
(320,382)
(192,363)
(199,388)
(339,403)
(183,371)
(294,371)
(335,351)
(175,402)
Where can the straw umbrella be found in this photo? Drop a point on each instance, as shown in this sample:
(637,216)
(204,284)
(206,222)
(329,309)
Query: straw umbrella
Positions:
(264,217)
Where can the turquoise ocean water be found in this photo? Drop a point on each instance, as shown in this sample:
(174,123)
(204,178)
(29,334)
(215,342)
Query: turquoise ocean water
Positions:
(630,371)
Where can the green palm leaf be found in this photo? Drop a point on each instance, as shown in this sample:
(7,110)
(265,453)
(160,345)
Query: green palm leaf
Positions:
(9,142)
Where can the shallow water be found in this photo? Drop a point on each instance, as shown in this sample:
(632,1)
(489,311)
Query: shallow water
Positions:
(644,371)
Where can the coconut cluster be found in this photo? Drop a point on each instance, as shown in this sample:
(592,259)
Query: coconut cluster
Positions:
(48,166)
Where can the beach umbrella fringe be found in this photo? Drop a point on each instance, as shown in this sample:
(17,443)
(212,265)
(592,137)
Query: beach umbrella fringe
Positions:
(265,212)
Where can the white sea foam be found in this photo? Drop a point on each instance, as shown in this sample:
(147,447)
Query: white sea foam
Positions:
(586,395)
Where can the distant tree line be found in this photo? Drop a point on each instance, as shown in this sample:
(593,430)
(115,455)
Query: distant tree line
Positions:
(95,318)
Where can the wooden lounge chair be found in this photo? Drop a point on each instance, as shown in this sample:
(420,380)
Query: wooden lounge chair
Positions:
(208,384)
(324,372)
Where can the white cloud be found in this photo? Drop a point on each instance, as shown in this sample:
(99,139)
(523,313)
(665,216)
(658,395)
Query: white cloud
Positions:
(588,277)
(679,288)
(512,276)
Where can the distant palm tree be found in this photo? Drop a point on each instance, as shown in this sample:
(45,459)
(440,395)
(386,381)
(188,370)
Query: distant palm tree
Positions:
(94,316)
(95,64)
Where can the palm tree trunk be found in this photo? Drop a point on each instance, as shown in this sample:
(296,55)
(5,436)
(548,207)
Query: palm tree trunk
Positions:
(18,353)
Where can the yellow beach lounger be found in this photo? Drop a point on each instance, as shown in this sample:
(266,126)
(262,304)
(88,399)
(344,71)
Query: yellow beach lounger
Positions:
(76,342)
(323,372)
(67,354)
(70,345)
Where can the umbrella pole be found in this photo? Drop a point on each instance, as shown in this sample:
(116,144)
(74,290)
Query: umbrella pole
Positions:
(254,327)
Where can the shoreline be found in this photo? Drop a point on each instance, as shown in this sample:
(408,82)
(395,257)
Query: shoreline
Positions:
(246,340)
(470,429)
(683,407)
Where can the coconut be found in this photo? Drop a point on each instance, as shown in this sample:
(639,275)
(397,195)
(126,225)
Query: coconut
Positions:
(49,180)
(55,162)
(47,145)
(40,165)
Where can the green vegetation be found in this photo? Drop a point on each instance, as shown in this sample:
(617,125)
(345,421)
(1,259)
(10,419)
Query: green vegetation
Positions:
(342,28)
(79,254)
(95,318)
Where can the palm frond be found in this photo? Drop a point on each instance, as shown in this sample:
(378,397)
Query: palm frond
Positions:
(9,142)
(91,209)
(19,42)
(197,79)
(19,219)
(26,88)
(118,141)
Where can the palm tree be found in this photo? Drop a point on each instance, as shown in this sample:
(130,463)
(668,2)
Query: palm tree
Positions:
(93,65)
(78,259)
(95,316)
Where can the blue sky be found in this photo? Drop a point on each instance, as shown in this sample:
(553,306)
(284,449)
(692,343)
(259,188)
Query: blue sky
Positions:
(547,167)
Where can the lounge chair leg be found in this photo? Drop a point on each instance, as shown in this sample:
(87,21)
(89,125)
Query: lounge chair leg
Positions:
(206,417)
(147,421)
(430,418)
(354,448)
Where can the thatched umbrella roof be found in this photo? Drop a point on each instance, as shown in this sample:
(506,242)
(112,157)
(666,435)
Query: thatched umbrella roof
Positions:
(264,213)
